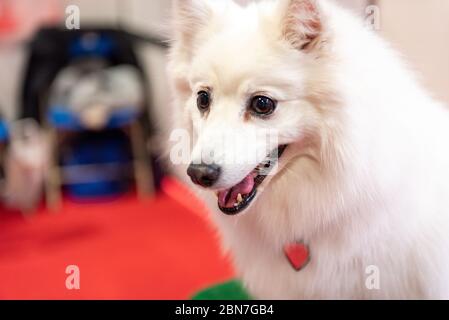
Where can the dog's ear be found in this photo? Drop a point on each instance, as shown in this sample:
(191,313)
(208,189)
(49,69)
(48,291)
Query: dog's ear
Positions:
(302,23)
(189,17)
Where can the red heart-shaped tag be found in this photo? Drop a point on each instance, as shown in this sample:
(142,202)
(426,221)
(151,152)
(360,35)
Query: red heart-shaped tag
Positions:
(297,254)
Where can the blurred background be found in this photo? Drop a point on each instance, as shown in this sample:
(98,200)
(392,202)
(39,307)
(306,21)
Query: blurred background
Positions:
(82,180)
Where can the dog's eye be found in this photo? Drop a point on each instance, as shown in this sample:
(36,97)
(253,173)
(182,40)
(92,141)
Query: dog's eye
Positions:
(262,106)
(203,100)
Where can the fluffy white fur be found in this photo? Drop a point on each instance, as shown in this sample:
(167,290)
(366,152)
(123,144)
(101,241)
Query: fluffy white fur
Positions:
(365,179)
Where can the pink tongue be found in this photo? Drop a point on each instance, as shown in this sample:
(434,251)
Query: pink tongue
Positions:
(244,188)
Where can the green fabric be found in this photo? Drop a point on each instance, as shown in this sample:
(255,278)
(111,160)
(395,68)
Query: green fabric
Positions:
(232,290)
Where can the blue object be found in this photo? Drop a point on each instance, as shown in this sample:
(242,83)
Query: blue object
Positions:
(92,44)
(4,132)
(97,165)
(64,119)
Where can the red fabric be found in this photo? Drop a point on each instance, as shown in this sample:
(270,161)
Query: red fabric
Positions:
(125,249)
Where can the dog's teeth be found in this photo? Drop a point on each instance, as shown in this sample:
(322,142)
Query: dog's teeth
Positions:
(239,198)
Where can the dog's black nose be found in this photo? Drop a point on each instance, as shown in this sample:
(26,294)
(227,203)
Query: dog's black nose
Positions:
(204,175)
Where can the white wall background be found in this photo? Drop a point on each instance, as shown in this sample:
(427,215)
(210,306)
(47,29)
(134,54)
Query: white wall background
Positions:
(420,30)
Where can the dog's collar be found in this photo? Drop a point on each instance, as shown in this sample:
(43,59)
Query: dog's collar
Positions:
(297,254)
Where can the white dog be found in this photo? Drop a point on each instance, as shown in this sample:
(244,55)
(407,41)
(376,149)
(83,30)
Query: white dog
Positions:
(357,205)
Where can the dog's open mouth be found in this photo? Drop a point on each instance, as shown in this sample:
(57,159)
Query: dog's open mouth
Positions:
(234,200)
